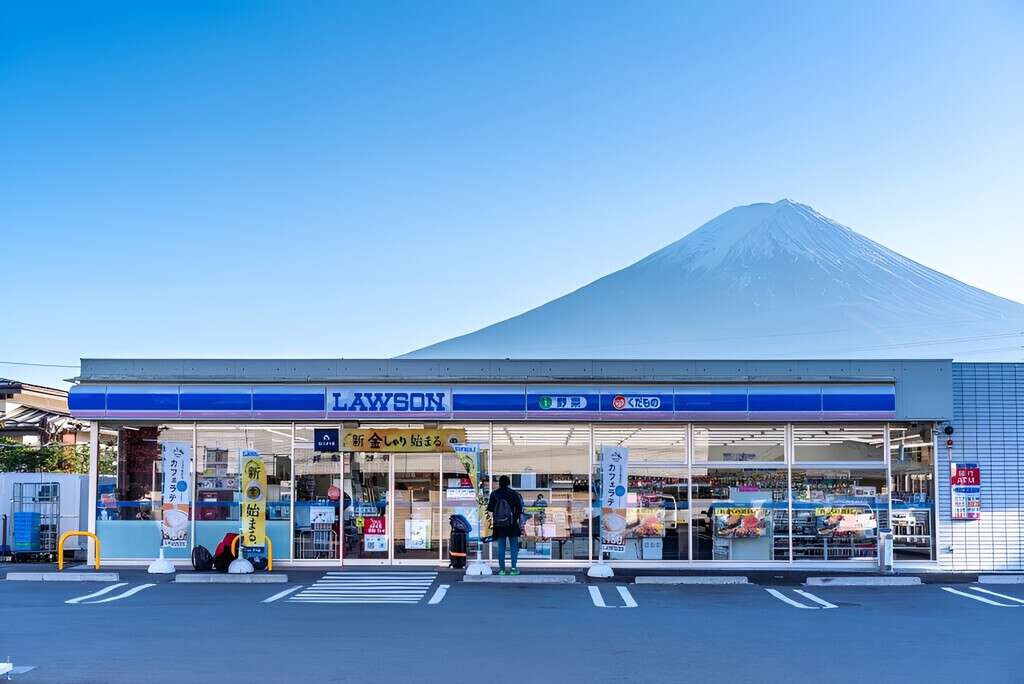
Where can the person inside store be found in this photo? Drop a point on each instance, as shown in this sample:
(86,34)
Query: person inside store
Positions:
(506,508)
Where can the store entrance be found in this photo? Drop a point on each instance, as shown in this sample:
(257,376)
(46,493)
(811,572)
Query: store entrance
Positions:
(393,511)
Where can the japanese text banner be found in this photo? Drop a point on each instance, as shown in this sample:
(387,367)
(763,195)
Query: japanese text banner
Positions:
(254,499)
(402,440)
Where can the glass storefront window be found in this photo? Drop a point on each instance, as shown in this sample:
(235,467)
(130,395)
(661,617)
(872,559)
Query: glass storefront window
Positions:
(549,464)
(218,495)
(837,513)
(657,502)
(823,443)
(129,510)
(319,504)
(739,443)
(912,461)
(457,494)
(740,514)
(366,485)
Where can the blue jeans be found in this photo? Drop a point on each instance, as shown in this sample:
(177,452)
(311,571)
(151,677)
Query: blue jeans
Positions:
(514,551)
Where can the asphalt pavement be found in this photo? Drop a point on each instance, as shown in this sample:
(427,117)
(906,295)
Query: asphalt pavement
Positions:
(423,626)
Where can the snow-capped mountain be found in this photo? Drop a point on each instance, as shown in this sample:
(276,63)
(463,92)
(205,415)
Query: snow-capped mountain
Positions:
(761,281)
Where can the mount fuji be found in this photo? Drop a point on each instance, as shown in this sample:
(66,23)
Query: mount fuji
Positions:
(764,281)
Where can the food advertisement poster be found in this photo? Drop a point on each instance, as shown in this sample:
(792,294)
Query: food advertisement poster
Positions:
(614,479)
(254,499)
(469,457)
(850,522)
(741,522)
(177,467)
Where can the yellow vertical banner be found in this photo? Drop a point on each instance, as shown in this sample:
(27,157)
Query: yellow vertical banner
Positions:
(254,499)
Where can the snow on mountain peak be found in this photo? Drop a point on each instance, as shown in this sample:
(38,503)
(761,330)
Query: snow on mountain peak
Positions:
(763,280)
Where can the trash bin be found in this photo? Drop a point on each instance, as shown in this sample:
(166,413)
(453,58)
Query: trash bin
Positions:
(457,542)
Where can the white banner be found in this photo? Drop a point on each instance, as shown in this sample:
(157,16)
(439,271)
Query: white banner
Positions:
(614,490)
(177,494)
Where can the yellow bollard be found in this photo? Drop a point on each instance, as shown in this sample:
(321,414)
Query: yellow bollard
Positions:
(270,551)
(77,533)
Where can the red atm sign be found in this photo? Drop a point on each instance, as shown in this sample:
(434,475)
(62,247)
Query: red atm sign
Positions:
(967,474)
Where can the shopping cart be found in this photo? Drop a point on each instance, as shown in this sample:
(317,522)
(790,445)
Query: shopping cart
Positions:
(36,514)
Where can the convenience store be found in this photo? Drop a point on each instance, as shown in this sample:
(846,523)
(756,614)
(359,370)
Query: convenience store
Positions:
(731,463)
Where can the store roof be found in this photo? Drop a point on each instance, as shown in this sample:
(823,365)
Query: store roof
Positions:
(501,370)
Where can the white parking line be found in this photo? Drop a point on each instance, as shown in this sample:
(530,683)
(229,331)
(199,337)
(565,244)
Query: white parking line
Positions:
(101,592)
(130,592)
(821,602)
(951,590)
(627,598)
(1002,596)
(595,596)
(281,594)
(785,599)
(439,595)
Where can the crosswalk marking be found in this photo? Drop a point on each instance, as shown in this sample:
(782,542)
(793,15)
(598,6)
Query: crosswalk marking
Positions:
(282,594)
(951,590)
(598,599)
(367,587)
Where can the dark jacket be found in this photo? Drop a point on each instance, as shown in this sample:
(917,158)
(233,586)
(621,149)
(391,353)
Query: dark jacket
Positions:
(515,501)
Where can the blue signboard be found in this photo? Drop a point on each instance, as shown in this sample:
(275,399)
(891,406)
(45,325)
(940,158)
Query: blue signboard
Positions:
(325,439)
(797,401)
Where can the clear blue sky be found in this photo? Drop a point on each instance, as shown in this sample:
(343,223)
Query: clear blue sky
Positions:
(340,179)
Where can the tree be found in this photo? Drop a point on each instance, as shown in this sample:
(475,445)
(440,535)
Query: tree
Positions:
(16,457)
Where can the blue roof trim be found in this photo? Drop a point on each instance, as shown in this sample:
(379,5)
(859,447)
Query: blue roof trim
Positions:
(656,402)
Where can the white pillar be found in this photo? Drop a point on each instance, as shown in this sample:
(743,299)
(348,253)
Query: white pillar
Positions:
(94,477)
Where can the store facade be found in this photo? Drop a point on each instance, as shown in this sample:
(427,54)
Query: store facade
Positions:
(731,464)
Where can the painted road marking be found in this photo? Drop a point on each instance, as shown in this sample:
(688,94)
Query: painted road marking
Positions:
(130,592)
(281,594)
(951,590)
(1002,596)
(598,599)
(785,599)
(439,594)
(821,602)
(101,592)
(367,587)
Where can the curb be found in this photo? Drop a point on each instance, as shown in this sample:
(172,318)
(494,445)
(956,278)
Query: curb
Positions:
(520,579)
(63,577)
(690,579)
(232,579)
(862,581)
(1000,579)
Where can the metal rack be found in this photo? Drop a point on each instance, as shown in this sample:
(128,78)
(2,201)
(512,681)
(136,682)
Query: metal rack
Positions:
(36,514)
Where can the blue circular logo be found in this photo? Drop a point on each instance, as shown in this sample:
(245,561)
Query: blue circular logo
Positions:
(181,486)
(620,491)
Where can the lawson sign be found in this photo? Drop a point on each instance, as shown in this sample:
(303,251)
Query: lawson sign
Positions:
(388,400)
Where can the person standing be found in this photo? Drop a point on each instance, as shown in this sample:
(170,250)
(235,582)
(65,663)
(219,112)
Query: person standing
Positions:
(506,508)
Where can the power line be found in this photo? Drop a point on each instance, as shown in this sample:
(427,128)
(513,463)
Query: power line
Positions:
(38,365)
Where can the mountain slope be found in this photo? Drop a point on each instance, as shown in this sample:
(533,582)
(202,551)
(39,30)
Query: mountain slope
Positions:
(761,281)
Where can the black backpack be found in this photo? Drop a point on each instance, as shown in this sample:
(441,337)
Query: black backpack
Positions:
(502,512)
(202,561)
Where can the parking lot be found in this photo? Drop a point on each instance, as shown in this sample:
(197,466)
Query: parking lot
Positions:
(427,626)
